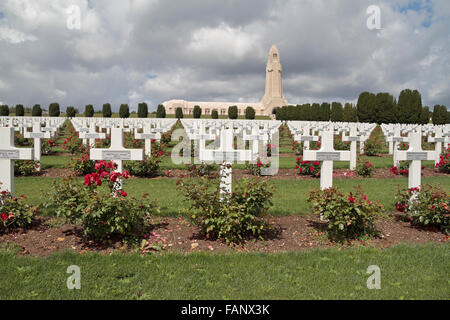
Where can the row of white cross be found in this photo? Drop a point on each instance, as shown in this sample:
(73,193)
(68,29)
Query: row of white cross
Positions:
(92,129)
(222,132)
(42,128)
(395,135)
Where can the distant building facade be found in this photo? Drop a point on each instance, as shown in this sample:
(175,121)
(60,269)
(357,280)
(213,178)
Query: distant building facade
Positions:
(273,96)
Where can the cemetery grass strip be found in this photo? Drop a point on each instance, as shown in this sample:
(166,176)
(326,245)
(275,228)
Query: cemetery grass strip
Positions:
(407,272)
(290,196)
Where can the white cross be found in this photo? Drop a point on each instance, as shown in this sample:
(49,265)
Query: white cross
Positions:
(9,153)
(148,136)
(117,152)
(92,134)
(225,155)
(37,135)
(438,139)
(353,137)
(415,155)
(326,154)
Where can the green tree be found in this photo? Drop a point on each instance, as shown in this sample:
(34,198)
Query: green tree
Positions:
(249,113)
(349,113)
(409,106)
(232,112)
(439,115)
(161,111)
(337,112)
(4,110)
(106,110)
(324,112)
(315,112)
(53,109)
(214,114)
(71,112)
(20,111)
(197,112)
(179,113)
(384,108)
(124,111)
(36,111)
(142,110)
(89,111)
(425,116)
(366,107)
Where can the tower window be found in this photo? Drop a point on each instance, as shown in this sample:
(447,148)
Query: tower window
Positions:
(274,55)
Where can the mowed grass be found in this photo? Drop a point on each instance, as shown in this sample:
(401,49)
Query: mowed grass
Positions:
(290,196)
(284,163)
(406,272)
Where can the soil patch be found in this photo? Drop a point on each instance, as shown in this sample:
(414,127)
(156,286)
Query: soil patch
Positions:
(290,233)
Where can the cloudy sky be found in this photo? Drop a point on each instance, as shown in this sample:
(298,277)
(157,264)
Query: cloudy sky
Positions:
(207,50)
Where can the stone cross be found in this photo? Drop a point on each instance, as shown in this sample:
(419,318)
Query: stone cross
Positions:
(37,135)
(326,154)
(415,155)
(92,134)
(225,155)
(148,136)
(9,153)
(396,138)
(353,137)
(438,139)
(117,152)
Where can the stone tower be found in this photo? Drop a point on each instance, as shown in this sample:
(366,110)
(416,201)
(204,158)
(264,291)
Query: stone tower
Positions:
(273,96)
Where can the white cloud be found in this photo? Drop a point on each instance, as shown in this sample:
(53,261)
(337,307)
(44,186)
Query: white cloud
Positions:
(133,51)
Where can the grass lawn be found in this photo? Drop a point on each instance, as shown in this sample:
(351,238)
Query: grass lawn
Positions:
(407,272)
(289,195)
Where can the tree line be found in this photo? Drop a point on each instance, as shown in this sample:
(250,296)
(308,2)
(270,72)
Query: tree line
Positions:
(373,108)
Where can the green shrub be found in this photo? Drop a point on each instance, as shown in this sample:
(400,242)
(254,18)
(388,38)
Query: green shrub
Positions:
(232,112)
(124,111)
(232,217)
(341,145)
(20,140)
(249,113)
(214,114)
(14,213)
(142,110)
(103,211)
(371,148)
(73,144)
(25,167)
(150,166)
(179,113)
(348,216)
(53,109)
(161,111)
(89,111)
(197,112)
(209,170)
(46,146)
(36,111)
(4,110)
(364,168)
(106,110)
(82,164)
(20,111)
(71,112)
(427,206)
